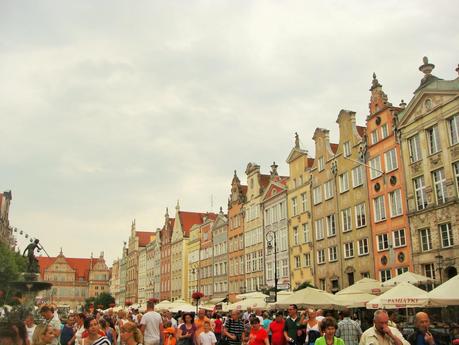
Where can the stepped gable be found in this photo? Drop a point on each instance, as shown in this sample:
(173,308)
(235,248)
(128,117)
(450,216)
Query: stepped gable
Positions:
(82,266)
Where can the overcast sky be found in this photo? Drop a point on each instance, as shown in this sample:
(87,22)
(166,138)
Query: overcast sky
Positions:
(113,110)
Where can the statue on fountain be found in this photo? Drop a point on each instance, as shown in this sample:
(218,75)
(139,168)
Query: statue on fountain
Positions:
(32,266)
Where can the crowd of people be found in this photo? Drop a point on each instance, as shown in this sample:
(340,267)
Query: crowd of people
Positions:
(307,327)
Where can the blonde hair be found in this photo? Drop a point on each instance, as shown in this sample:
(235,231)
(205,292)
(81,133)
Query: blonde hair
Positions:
(40,331)
(131,327)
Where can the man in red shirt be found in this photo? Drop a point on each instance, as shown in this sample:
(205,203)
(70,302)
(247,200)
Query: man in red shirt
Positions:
(277,330)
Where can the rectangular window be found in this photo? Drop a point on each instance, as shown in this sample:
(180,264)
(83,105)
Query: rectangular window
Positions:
(383,242)
(357,176)
(360,215)
(304,203)
(295,236)
(446,233)
(343,182)
(375,167)
(363,246)
(440,185)
(307,259)
(328,189)
(433,139)
(374,137)
(346,219)
(306,235)
(294,207)
(401,270)
(414,145)
(420,191)
(456,175)
(319,229)
(297,262)
(347,149)
(332,254)
(395,198)
(429,270)
(317,195)
(453,124)
(380,209)
(321,164)
(331,225)
(348,250)
(391,160)
(426,239)
(321,256)
(384,131)
(399,238)
(385,275)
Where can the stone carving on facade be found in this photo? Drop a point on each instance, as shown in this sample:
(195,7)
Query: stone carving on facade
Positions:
(416,167)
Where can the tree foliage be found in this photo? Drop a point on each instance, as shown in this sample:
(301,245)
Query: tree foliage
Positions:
(103,301)
(11,265)
(304,285)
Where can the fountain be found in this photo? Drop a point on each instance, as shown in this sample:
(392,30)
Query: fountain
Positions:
(28,285)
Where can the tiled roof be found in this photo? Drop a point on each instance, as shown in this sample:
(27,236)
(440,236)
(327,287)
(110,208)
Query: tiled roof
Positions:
(80,265)
(188,219)
(334,147)
(361,130)
(244,189)
(264,180)
(145,237)
(310,162)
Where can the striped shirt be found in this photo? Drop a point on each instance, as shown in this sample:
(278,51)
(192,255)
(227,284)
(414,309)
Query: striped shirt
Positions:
(101,341)
(236,328)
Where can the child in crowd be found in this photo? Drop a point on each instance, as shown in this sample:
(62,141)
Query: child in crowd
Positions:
(207,337)
(169,334)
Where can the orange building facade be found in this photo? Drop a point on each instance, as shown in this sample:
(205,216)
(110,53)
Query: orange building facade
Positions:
(236,276)
(386,189)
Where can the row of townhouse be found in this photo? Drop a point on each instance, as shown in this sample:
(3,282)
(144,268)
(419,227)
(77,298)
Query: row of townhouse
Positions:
(381,201)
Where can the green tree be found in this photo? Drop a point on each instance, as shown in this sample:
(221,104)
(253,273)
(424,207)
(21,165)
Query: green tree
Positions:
(11,265)
(304,285)
(104,300)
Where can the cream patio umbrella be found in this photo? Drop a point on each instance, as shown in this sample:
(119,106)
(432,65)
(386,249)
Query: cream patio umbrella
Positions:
(355,300)
(255,294)
(181,305)
(403,295)
(408,277)
(248,303)
(446,294)
(365,285)
(164,305)
(310,297)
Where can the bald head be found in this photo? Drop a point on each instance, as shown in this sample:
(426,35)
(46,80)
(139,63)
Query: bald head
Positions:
(422,321)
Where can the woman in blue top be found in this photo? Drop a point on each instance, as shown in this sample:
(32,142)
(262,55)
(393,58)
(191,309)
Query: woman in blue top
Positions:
(328,326)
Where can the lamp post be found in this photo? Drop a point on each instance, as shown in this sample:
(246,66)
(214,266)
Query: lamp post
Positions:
(270,238)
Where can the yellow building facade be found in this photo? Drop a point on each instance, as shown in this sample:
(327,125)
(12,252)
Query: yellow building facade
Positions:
(299,216)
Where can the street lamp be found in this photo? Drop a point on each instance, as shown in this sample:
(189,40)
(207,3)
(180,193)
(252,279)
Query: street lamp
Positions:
(270,238)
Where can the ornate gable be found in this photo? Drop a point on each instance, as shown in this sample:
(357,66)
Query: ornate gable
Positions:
(273,189)
(60,265)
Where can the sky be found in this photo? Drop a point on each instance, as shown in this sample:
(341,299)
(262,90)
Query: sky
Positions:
(114,110)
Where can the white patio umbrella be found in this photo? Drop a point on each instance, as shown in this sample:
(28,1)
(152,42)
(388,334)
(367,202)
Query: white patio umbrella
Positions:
(404,295)
(255,294)
(181,305)
(310,297)
(447,293)
(355,300)
(249,302)
(408,277)
(365,285)
(163,305)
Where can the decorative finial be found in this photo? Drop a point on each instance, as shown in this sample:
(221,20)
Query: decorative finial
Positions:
(221,210)
(167,212)
(427,67)
(457,69)
(235,174)
(402,104)
(374,83)
(177,207)
(297,140)
(61,253)
(274,169)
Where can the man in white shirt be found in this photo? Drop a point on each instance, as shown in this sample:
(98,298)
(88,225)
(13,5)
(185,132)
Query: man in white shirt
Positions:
(381,333)
(151,326)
